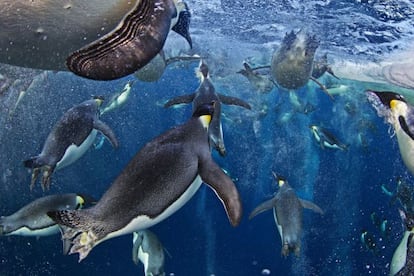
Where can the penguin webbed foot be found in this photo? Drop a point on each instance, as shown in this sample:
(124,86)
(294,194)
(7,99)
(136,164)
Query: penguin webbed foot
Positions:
(35,175)
(83,244)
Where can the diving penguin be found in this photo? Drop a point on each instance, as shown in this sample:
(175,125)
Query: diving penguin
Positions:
(292,63)
(101,40)
(156,183)
(261,82)
(206,93)
(149,250)
(119,99)
(326,139)
(155,68)
(400,115)
(402,262)
(287,212)
(32,220)
(69,139)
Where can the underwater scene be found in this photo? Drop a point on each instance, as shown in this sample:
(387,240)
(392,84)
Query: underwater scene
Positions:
(223,137)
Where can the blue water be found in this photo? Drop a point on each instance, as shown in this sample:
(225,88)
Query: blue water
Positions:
(199,238)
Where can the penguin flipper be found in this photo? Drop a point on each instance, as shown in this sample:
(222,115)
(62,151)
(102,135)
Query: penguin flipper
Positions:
(223,186)
(183,24)
(137,239)
(310,205)
(107,131)
(78,231)
(267,205)
(234,101)
(184,99)
(130,46)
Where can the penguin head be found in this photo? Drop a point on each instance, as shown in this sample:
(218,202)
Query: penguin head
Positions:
(99,100)
(82,200)
(202,71)
(279,179)
(205,112)
(387,98)
(79,202)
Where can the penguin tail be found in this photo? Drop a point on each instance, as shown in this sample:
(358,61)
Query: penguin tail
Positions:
(79,235)
(33,162)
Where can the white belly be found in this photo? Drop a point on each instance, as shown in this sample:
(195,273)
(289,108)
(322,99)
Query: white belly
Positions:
(143,257)
(24,231)
(400,255)
(406,146)
(144,222)
(74,152)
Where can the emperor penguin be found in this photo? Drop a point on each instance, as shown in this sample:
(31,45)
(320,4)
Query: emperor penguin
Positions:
(98,39)
(118,99)
(292,63)
(148,249)
(326,139)
(400,115)
(162,177)
(287,213)
(69,139)
(206,93)
(262,83)
(32,220)
(402,262)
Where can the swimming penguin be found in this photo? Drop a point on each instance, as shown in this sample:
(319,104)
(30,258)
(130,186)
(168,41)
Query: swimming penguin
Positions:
(32,220)
(292,63)
(157,182)
(382,225)
(261,82)
(403,193)
(155,68)
(119,99)
(326,139)
(287,212)
(321,66)
(69,139)
(400,115)
(149,250)
(206,93)
(402,262)
(369,242)
(100,40)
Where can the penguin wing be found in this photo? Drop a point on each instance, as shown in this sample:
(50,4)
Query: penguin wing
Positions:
(268,204)
(310,205)
(233,101)
(224,188)
(107,131)
(407,126)
(184,99)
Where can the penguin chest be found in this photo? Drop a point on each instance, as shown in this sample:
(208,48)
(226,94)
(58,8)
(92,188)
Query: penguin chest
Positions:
(142,221)
(400,255)
(406,146)
(74,152)
(144,258)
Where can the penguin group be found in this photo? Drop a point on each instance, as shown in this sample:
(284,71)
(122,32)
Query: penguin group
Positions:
(170,168)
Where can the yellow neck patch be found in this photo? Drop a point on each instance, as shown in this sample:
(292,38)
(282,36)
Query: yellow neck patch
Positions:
(281,182)
(205,120)
(99,102)
(80,201)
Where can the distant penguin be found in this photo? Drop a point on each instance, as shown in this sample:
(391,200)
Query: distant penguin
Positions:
(149,250)
(326,139)
(261,82)
(206,93)
(162,177)
(400,115)
(402,262)
(321,66)
(369,242)
(119,99)
(155,68)
(32,220)
(287,212)
(69,139)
